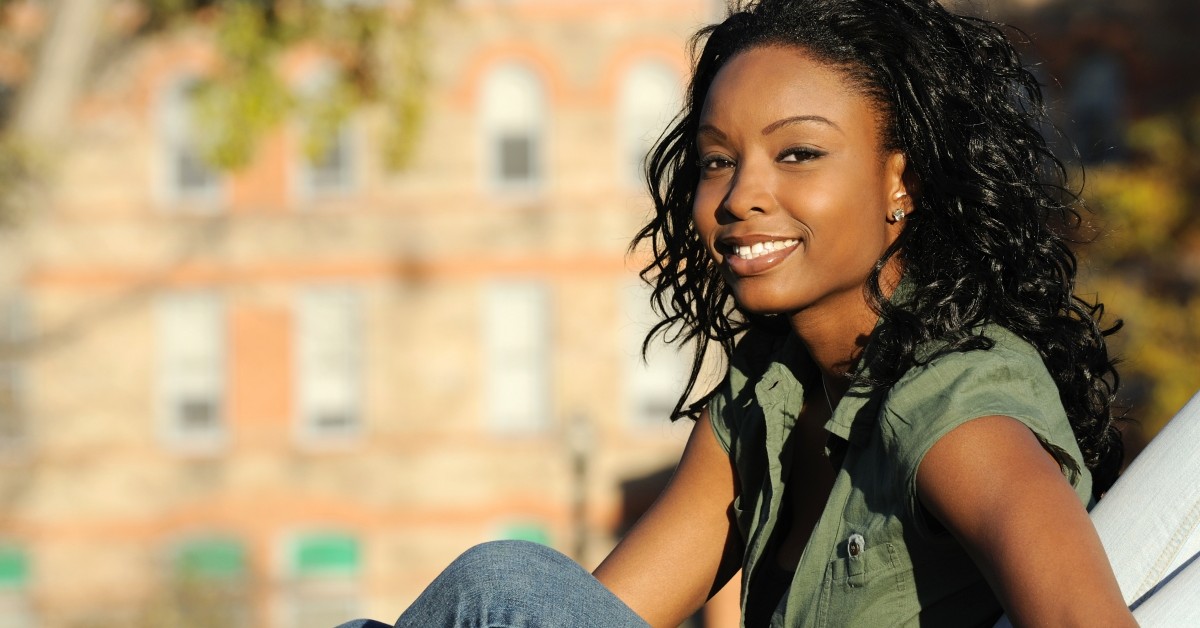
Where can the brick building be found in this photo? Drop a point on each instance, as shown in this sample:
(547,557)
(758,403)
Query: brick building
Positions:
(289,395)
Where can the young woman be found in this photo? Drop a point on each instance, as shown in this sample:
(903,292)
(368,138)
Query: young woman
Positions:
(857,206)
(917,409)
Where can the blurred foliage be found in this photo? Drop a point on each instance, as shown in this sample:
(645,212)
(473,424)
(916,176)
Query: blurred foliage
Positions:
(377,53)
(1145,265)
(18,168)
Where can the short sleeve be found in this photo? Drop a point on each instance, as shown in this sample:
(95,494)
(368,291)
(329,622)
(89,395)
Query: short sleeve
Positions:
(1007,380)
(721,424)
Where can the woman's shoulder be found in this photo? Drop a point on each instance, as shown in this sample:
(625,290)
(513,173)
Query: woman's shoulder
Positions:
(1007,378)
(1007,375)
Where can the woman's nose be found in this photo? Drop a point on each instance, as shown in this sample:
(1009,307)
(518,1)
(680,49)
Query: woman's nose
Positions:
(749,194)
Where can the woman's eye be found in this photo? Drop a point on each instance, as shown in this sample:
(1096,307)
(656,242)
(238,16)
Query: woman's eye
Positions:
(798,155)
(714,163)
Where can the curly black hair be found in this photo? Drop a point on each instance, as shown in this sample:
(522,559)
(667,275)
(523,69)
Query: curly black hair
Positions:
(989,242)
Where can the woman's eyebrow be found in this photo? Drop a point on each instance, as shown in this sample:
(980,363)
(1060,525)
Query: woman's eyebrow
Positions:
(779,124)
(708,130)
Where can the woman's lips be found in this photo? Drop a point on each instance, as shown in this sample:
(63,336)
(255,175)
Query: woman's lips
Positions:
(759,257)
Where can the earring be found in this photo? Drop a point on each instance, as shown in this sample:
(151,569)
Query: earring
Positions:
(898,214)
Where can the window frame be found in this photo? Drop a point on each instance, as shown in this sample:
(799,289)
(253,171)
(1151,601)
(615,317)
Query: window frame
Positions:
(170,387)
(178,142)
(307,432)
(498,360)
(514,104)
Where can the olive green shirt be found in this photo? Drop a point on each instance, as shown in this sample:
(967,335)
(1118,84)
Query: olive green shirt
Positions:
(875,558)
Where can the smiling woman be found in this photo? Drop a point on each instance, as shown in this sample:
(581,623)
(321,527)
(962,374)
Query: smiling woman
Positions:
(798,162)
(857,208)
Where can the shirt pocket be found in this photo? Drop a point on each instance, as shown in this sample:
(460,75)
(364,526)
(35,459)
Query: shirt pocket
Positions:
(864,585)
(858,566)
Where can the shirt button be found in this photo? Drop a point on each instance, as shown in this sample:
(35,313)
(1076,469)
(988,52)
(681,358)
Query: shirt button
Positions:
(855,545)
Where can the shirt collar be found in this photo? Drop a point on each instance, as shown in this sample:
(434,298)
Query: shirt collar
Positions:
(855,416)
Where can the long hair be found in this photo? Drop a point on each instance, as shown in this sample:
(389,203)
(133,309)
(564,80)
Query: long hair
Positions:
(989,242)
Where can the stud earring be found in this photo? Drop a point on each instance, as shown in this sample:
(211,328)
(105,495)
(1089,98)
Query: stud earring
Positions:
(898,214)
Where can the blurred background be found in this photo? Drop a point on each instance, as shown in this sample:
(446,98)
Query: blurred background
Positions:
(299,299)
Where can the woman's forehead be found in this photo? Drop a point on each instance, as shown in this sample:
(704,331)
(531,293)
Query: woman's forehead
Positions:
(767,84)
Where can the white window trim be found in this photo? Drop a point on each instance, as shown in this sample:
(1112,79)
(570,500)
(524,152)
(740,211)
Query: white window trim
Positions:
(306,433)
(217,438)
(348,134)
(637,131)
(207,201)
(537,109)
(540,375)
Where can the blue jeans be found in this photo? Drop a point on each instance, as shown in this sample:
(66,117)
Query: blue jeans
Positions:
(513,584)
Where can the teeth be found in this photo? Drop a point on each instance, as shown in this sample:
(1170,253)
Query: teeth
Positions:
(762,248)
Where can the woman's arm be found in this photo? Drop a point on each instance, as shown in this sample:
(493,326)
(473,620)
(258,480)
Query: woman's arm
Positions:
(993,486)
(684,548)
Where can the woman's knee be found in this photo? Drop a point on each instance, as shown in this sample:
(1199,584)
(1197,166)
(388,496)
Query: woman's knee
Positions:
(508,564)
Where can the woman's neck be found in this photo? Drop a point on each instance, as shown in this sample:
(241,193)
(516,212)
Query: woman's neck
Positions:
(836,331)
(834,338)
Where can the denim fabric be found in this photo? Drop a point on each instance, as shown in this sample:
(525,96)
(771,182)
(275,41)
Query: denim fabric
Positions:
(514,584)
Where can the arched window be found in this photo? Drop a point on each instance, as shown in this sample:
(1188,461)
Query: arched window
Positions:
(327,165)
(648,100)
(513,110)
(188,178)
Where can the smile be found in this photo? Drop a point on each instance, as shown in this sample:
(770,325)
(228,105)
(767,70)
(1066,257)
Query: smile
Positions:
(746,260)
(759,249)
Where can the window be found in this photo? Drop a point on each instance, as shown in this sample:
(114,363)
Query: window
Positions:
(1096,103)
(532,531)
(329,353)
(209,582)
(191,369)
(653,384)
(188,176)
(331,172)
(513,109)
(517,348)
(649,98)
(327,164)
(13,335)
(15,608)
(323,590)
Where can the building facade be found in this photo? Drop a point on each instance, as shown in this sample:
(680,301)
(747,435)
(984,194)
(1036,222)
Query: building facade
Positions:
(290,394)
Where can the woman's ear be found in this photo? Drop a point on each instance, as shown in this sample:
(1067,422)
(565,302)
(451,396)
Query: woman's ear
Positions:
(901,187)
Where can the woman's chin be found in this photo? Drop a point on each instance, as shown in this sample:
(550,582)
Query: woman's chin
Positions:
(763,305)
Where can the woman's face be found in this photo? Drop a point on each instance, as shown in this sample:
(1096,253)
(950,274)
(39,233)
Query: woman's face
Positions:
(795,195)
